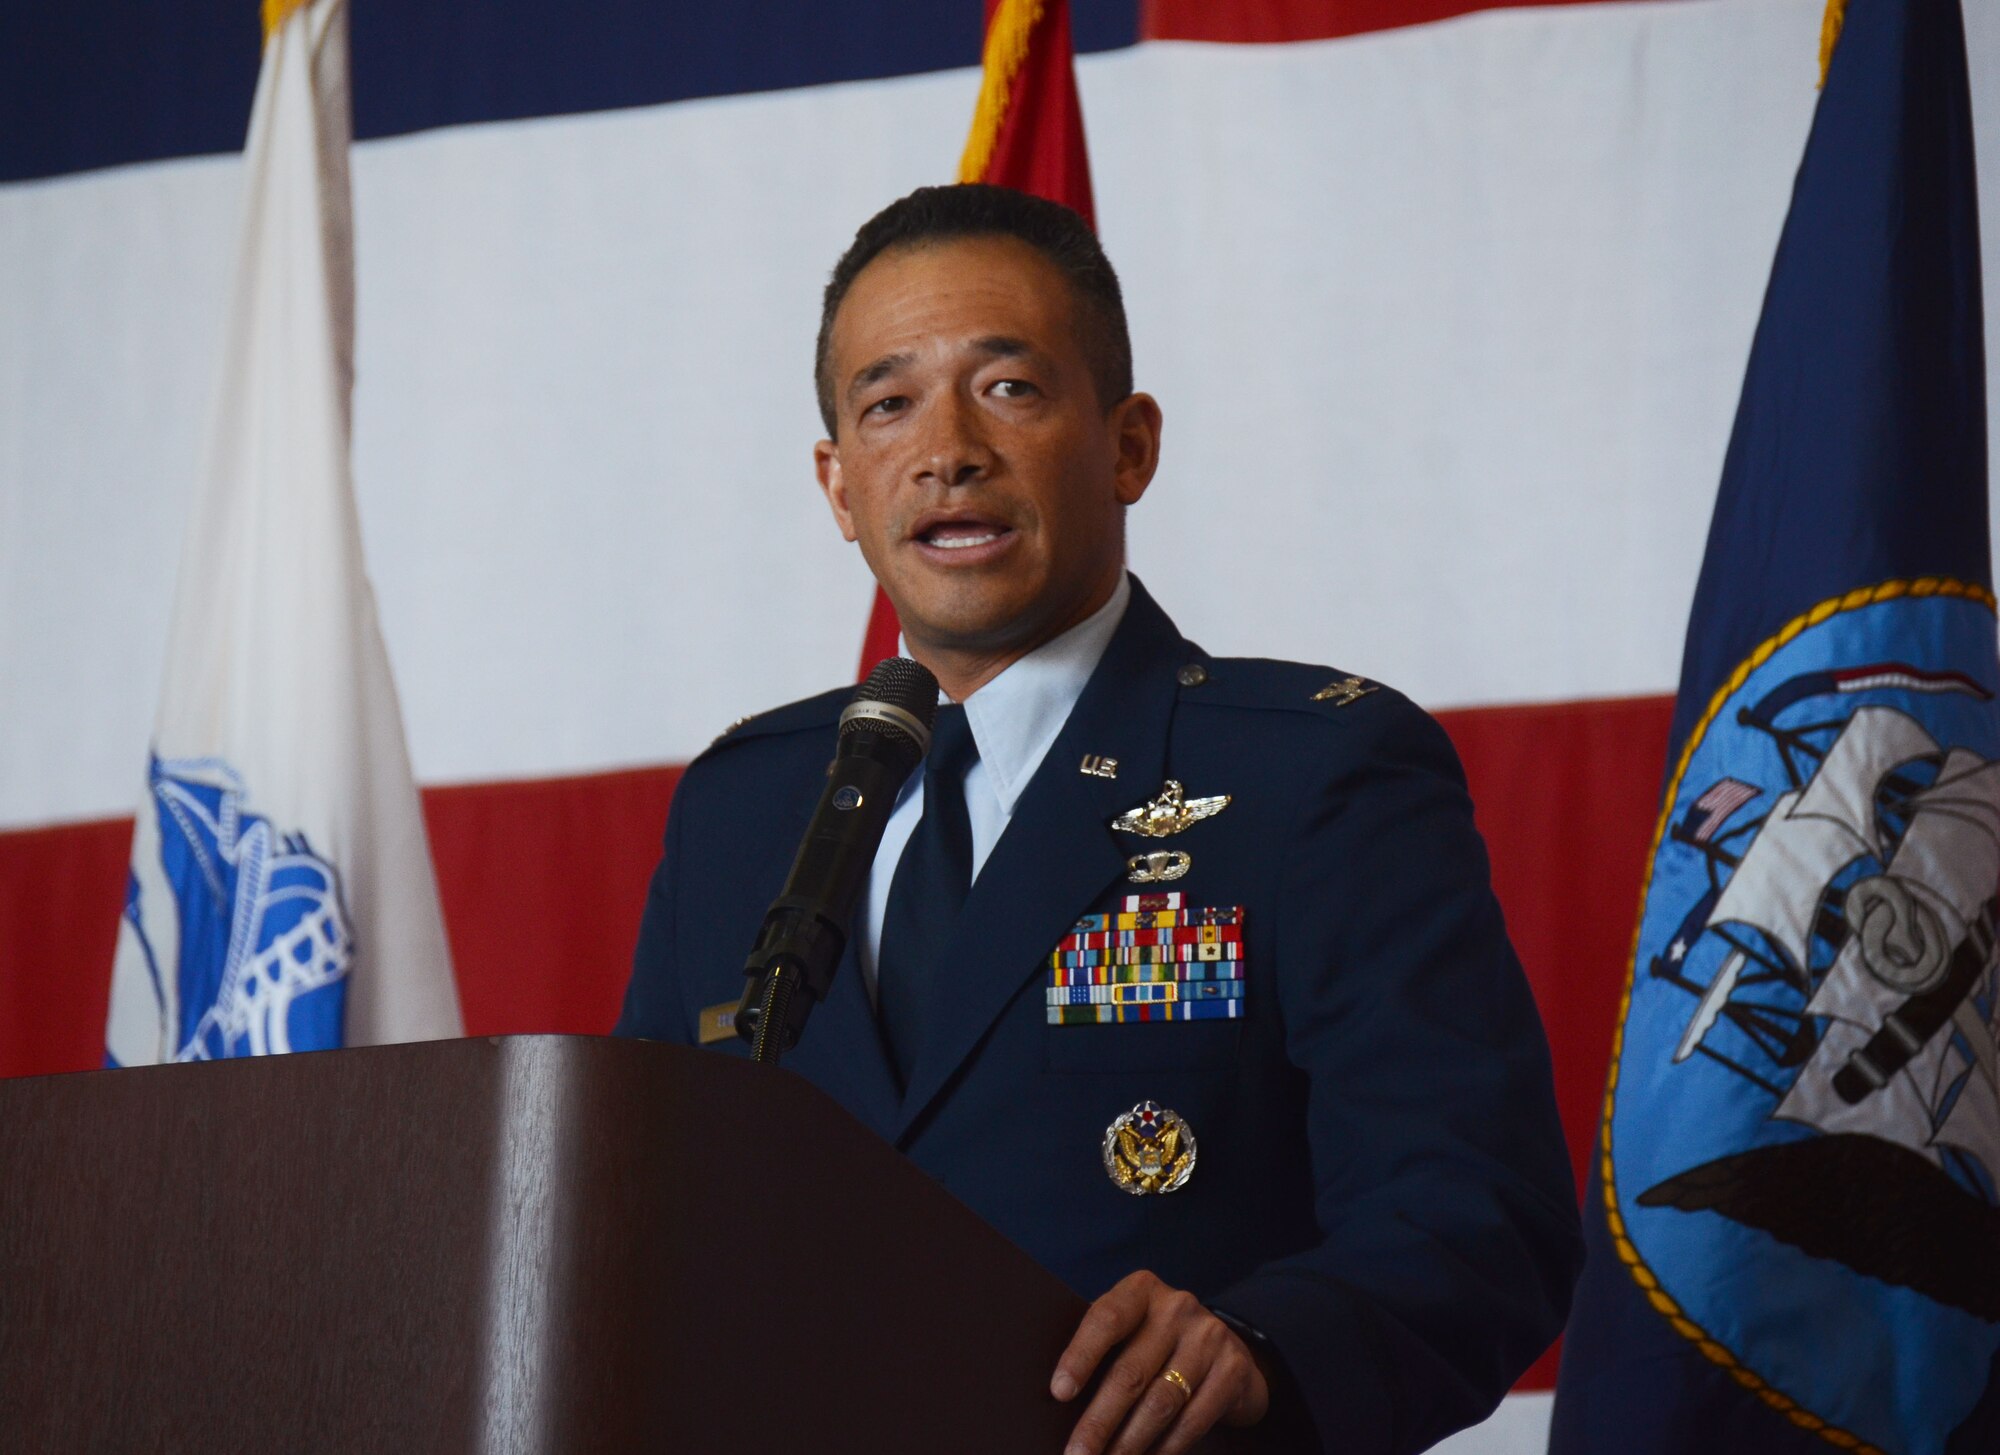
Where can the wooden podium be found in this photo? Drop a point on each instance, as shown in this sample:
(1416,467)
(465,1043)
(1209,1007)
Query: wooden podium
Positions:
(532,1244)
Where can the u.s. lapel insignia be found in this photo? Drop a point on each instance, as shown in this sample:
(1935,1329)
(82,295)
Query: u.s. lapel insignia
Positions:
(1161,866)
(1346,690)
(1168,814)
(1149,1149)
(1096,765)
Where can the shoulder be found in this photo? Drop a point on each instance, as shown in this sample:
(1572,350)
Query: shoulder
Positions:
(1330,714)
(1251,687)
(806,714)
(777,732)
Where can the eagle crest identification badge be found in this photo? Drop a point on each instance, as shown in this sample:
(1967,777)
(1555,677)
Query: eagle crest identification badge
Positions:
(1149,1150)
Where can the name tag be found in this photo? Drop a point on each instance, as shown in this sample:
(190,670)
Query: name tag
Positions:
(718,1023)
(1155,959)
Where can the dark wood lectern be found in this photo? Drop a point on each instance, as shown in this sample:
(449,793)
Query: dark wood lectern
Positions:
(532,1244)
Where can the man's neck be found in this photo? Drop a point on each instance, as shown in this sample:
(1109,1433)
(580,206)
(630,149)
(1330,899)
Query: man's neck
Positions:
(962,671)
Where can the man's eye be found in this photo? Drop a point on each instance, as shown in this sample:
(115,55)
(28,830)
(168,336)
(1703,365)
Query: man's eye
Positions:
(895,403)
(1014,389)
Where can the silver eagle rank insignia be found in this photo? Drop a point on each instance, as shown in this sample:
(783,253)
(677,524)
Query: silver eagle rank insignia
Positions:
(1346,692)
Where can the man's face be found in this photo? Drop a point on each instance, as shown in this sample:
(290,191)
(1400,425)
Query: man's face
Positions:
(975,464)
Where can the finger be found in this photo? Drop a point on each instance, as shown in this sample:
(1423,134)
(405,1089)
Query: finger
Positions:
(1255,1401)
(1214,1399)
(1126,1382)
(1162,1403)
(1109,1321)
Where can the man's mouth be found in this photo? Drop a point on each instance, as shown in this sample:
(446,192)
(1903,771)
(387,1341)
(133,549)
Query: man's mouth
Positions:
(961,534)
(961,537)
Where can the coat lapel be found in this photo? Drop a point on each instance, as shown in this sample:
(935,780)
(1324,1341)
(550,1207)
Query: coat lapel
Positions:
(841,1050)
(1058,853)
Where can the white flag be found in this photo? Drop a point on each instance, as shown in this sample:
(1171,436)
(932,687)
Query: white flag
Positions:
(281,895)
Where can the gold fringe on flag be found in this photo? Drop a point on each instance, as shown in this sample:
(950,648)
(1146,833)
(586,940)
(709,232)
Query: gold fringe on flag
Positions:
(1829,36)
(1007,38)
(277,12)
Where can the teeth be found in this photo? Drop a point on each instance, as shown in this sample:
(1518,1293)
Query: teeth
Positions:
(959,543)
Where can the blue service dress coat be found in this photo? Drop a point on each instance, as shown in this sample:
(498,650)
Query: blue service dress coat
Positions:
(1381,1187)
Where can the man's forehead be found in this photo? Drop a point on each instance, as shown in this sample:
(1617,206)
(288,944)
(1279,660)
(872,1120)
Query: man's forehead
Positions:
(977,292)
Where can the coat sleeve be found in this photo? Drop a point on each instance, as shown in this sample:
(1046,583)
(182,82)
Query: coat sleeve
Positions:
(1447,1213)
(655,1009)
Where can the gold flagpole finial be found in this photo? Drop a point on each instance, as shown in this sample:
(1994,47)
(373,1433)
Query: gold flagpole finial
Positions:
(1005,52)
(277,12)
(1829,35)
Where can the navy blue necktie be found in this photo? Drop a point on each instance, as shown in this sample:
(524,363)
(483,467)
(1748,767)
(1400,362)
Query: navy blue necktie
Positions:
(928,892)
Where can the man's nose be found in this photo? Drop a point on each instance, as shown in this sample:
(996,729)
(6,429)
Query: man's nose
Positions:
(954,450)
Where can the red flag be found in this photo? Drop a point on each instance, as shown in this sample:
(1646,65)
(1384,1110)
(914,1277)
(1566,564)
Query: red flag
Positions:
(1027,129)
(1027,133)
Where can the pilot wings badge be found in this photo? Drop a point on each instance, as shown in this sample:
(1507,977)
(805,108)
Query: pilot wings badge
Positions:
(1169,813)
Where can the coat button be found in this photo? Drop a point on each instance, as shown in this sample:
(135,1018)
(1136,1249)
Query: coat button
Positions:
(1193,675)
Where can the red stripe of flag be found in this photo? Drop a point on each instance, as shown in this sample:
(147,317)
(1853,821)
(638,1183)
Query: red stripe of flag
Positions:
(1260,22)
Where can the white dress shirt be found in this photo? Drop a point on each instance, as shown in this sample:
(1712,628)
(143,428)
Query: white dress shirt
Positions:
(1015,719)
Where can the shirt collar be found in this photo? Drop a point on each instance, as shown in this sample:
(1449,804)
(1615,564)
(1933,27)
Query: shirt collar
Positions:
(1016,717)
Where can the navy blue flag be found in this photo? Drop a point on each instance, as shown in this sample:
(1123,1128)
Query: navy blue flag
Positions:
(1794,1210)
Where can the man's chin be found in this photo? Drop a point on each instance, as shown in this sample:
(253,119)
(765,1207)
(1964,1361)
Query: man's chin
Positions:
(964,620)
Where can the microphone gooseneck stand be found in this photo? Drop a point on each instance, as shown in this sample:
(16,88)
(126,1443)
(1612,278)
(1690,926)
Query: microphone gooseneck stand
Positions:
(884,732)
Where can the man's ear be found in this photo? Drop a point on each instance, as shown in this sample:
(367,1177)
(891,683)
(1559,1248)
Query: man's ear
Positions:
(826,465)
(1135,427)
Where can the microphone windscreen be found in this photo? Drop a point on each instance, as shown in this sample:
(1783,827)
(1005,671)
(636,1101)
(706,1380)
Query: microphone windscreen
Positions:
(899,700)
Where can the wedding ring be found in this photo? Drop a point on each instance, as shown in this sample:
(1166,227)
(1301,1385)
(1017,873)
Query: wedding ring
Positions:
(1179,1381)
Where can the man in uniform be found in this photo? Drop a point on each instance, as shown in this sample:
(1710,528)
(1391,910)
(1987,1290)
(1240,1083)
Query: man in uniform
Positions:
(1140,903)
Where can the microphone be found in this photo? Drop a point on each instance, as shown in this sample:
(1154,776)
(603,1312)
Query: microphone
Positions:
(885,730)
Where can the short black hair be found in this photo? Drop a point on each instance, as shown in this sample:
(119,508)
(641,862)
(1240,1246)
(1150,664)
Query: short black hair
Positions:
(973,209)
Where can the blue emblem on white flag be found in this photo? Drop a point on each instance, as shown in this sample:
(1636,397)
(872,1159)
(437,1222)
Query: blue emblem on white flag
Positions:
(281,896)
(263,943)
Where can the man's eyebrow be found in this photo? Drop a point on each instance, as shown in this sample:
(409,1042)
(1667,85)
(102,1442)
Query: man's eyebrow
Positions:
(876,372)
(994,346)
(1003,346)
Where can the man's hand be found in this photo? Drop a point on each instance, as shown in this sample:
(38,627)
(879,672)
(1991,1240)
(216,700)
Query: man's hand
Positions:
(1161,1328)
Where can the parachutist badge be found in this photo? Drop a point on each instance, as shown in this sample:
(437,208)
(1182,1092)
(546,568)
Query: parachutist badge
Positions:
(1161,866)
